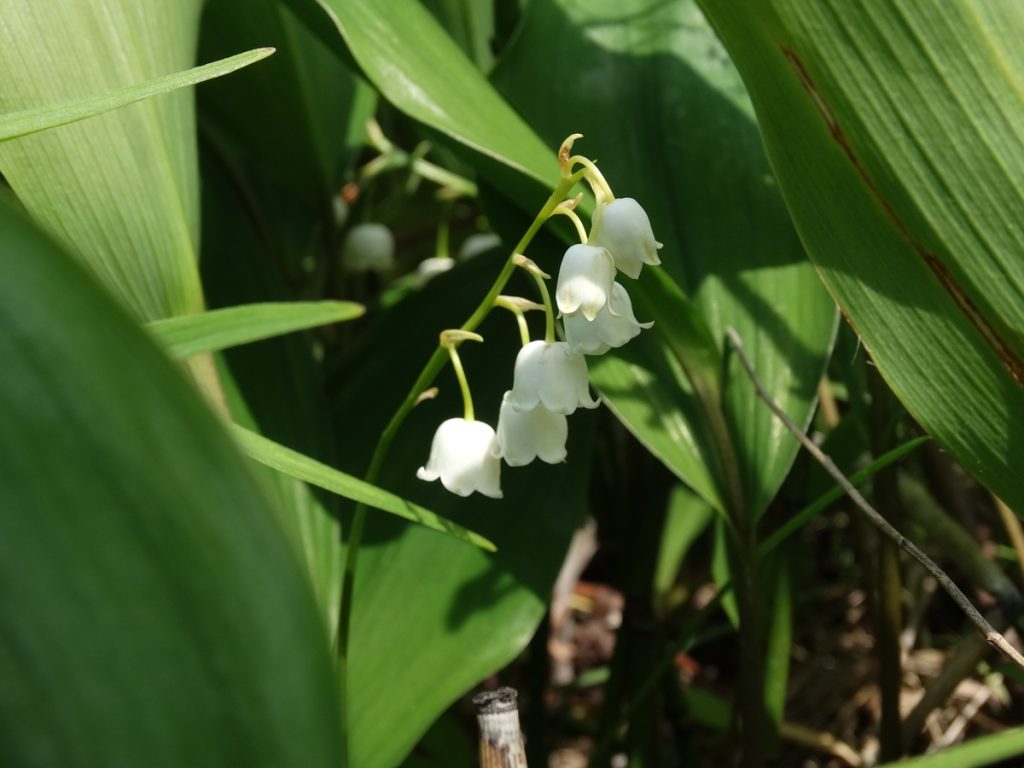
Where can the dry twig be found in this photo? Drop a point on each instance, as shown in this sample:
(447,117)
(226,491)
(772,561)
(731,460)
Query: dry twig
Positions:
(993,637)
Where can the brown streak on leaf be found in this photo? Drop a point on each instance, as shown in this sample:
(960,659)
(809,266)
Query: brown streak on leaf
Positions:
(1007,356)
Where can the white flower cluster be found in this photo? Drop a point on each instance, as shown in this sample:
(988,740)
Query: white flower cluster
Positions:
(550,380)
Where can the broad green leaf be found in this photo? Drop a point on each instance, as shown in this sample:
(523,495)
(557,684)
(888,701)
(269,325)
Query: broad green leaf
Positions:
(119,190)
(690,153)
(417,66)
(153,612)
(452,614)
(686,518)
(306,520)
(982,752)
(470,24)
(894,131)
(16,124)
(274,387)
(311,471)
(320,108)
(650,386)
(220,329)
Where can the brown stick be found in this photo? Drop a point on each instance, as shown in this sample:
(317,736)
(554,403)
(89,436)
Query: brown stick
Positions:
(993,637)
(501,741)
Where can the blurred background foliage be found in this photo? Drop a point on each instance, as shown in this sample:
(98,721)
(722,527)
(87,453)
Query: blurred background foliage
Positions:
(838,182)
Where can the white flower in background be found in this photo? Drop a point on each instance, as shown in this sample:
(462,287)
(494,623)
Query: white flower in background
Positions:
(432,267)
(478,243)
(552,375)
(623,228)
(368,247)
(463,456)
(526,435)
(584,280)
(607,330)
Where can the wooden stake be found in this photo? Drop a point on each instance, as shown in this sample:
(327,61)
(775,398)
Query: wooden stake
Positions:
(501,741)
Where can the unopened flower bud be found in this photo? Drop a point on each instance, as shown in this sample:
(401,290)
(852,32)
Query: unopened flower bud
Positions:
(368,247)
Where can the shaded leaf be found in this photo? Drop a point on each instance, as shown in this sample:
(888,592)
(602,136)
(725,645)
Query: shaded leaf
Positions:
(153,613)
(312,471)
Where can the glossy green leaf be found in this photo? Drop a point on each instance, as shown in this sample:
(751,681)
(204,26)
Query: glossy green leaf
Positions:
(417,66)
(470,24)
(894,131)
(312,471)
(691,154)
(153,612)
(318,120)
(119,190)
(16,124)
(220,329)
(452,614)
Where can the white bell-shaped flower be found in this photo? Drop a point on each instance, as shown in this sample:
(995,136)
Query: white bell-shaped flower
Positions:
(607,330)
(584,280)
(432,267)
(552,375)
(477,244)
(526,435)
(368,247)
(463,456)
(622,227)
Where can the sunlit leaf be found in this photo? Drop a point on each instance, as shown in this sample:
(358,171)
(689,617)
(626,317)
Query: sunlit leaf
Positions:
(894,132)
(16,124)
(120,190)
(220,329)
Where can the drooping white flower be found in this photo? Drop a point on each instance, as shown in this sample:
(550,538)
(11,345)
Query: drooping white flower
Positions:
(584,280)
(607,330)
(432,267)
(462,455)
(623,228)
(478,243)
(368,247)
(552,375)
(526,435)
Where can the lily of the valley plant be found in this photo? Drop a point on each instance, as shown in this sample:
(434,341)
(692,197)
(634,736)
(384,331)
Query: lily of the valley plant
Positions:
(550,379)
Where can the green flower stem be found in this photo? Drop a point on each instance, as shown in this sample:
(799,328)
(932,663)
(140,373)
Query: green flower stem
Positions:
(441,250)
(460,374)
(524,329)
(549,311)
(518,307)
(426,377)
(596,179)
(391,157)
(571,214)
